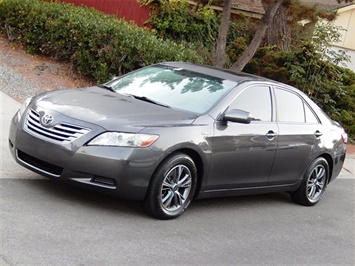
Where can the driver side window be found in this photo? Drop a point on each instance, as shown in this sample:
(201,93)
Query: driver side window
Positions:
(257,101)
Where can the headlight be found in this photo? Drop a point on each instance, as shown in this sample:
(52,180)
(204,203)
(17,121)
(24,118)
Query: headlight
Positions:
(123,139)
(23,108)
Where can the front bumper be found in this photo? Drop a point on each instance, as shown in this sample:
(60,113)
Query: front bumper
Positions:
(121,171)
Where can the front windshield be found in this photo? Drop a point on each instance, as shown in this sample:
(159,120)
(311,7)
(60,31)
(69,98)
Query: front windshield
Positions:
(175,87)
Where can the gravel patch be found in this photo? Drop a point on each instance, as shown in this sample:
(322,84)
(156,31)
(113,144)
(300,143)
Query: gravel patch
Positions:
(14,84)
(23,75)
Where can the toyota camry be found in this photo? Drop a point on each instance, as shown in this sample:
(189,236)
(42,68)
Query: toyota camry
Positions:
(172,132)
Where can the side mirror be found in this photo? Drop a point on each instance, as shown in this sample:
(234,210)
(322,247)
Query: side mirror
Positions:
(236,115)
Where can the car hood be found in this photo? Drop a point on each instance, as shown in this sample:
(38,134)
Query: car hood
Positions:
(112,111)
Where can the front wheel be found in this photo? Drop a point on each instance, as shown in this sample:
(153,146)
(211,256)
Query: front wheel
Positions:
(313,185)
(172,187)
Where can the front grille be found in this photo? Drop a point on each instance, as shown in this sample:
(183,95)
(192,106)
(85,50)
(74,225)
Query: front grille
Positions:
(38,164)
(61,132)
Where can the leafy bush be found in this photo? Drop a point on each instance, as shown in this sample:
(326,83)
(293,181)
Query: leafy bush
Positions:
(178,20)
(97,44)
(331,86)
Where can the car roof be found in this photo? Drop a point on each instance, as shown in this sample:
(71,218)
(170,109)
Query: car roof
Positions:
(238,77)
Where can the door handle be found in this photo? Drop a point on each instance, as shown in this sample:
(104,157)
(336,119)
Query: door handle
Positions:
(318,134)
(271,134)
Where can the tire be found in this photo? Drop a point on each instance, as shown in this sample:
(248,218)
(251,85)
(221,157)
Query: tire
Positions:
(314,183)
(172,187)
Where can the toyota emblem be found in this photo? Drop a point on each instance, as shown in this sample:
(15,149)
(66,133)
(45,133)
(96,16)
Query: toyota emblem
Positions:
(47,119)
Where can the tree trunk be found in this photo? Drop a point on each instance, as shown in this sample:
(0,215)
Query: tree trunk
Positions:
(258,37)
(279,32)
(222,34)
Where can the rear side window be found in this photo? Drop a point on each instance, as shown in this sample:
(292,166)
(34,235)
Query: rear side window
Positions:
(257,101)
(290,107)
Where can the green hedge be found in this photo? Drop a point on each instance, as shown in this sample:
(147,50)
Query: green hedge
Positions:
(97,44)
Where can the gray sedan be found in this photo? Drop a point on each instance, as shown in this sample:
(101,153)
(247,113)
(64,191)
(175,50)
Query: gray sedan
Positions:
(171,132)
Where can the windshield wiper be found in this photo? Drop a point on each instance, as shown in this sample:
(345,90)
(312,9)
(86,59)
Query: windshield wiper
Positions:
(146,99)
(106,87)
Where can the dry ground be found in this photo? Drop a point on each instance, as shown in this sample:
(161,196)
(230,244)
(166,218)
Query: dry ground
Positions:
(41,71)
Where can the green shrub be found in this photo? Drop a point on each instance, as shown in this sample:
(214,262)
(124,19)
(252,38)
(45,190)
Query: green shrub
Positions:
(178,20)
(97,44)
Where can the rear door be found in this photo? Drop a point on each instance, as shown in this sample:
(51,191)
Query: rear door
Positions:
(299,140)
(243,154)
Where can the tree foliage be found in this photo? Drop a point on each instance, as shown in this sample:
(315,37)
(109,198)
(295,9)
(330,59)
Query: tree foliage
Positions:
(279,21)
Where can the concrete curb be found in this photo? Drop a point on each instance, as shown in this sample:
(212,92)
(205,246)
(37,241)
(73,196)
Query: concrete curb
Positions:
(8,108)
(9,169)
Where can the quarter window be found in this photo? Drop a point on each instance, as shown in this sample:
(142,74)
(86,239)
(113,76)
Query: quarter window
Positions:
(255,100)
(310,117)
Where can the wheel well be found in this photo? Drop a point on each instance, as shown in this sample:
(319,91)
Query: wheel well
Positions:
(199,165)
(329,160)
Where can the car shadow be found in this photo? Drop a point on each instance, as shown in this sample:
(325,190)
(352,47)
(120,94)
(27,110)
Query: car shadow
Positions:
(63,192)
(245,203)
(55,191)
(250,200)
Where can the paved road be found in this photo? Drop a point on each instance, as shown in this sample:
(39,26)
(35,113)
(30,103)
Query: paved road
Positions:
(46,223)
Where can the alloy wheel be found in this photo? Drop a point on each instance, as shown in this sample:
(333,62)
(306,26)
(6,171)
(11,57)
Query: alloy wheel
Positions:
(316,183)
(176,188)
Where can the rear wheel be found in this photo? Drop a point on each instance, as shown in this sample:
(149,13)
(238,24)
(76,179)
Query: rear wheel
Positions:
(172,187)
(313,185)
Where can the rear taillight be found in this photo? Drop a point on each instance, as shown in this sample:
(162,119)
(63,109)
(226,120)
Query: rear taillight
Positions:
(344,137)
